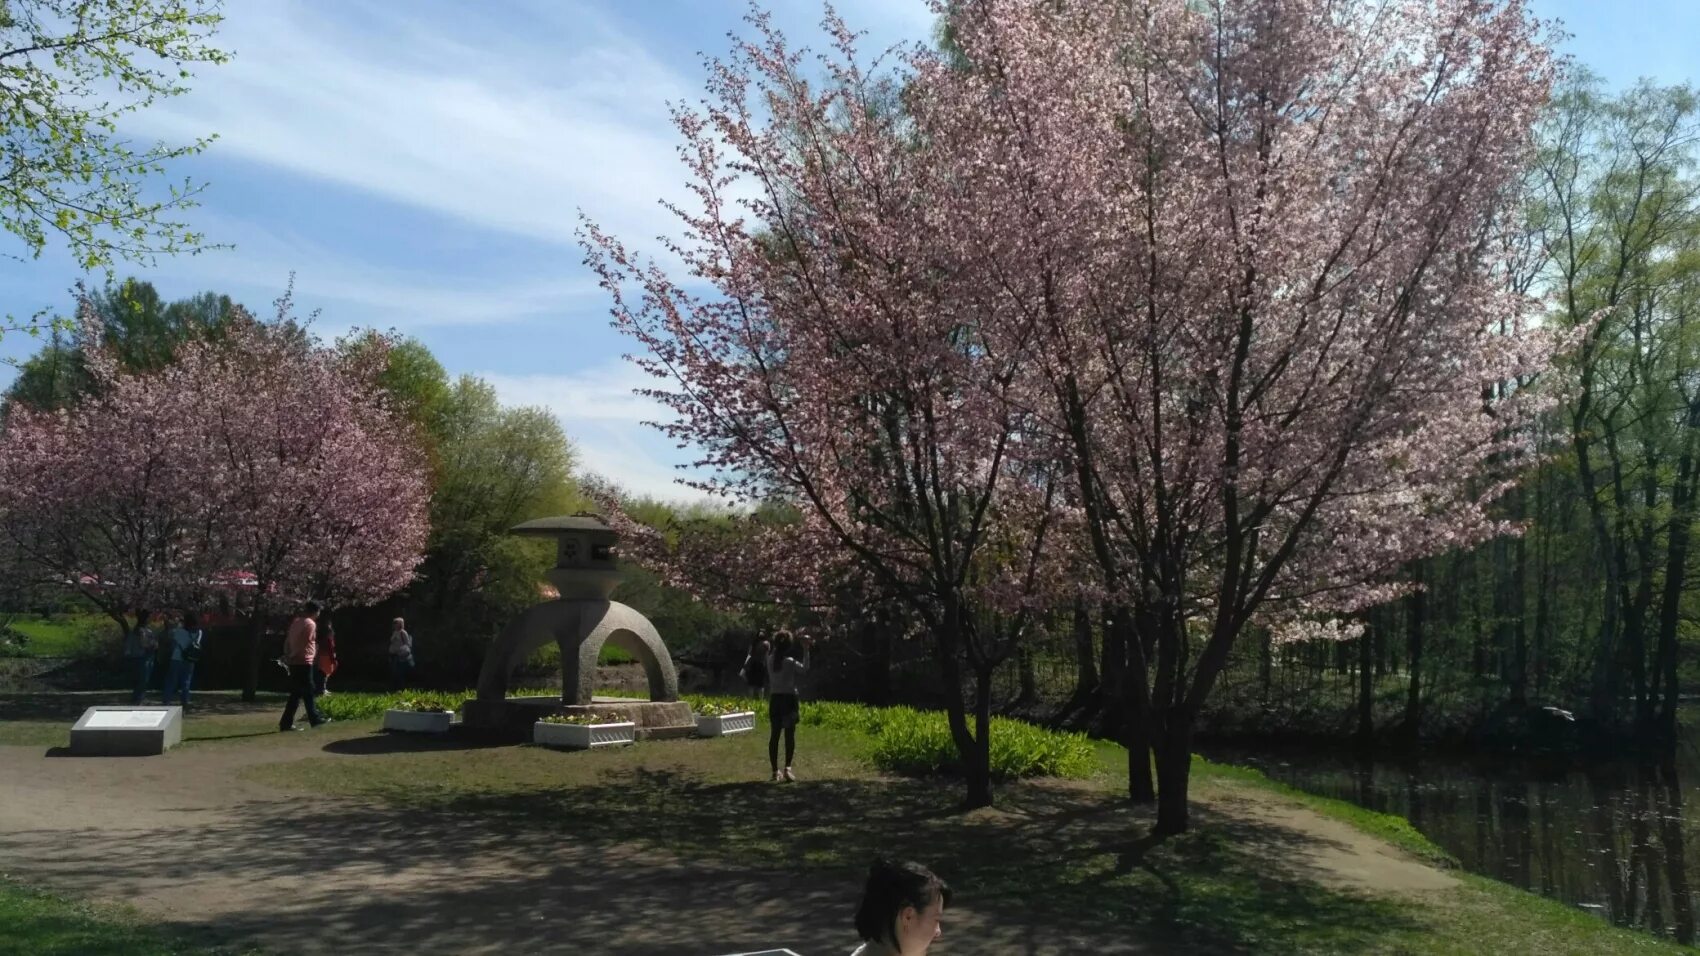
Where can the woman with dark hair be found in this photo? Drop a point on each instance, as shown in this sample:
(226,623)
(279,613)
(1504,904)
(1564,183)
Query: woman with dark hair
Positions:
(785,670)
(901,908)
(141,649)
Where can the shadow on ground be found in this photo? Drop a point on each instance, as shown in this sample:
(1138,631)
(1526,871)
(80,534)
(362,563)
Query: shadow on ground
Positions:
(404,743)
(659,863)
(493,849)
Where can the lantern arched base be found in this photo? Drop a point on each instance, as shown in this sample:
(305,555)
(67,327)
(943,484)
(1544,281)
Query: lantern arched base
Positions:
(579,628)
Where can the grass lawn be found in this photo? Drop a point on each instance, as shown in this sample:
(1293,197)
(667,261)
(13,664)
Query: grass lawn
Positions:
(60,636)
(39,924)
(1052,853)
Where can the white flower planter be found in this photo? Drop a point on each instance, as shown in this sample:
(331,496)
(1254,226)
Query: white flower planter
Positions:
(583,736)
(418,721)
(719,725)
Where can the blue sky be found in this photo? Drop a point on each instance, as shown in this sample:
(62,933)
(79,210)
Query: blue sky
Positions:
(420,167)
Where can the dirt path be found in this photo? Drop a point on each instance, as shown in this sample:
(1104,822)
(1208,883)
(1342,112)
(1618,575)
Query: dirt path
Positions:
(1330,851)
(185,838)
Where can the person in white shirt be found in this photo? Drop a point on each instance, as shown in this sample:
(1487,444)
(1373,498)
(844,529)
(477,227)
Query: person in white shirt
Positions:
(902,905)
(401,653)
(786,665)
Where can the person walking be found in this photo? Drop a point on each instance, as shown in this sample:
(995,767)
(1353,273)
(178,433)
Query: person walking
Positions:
(754,670)
(787,662)
(184,645)
(401,653)
(300,647)
(324,663)
(141,648)
(901,907)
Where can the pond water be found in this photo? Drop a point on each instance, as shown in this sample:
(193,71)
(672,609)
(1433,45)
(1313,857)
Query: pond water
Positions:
(1617,839)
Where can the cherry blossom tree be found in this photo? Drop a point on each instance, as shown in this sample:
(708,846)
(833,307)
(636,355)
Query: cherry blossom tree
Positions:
(1261,240)
(330,485)
(258,450)
(107,499)
(831,369)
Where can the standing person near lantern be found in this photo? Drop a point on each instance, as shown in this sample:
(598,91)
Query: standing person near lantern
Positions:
(786,665)
(401,653)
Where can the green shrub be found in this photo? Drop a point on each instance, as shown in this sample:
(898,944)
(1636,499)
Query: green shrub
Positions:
(917,742)
(909,741)
(614,655)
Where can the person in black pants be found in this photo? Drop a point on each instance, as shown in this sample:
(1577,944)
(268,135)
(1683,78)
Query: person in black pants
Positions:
(786,665)
(299,650)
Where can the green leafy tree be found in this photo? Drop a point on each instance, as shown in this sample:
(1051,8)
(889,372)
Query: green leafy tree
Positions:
(138,329)
(494,468)
(71,71)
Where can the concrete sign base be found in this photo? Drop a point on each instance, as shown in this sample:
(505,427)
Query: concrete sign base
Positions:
(127,731)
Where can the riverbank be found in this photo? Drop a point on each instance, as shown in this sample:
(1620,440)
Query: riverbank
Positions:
(683,847)
(1613,838)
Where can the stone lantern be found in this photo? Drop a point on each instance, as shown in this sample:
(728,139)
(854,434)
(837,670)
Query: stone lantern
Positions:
(579,621)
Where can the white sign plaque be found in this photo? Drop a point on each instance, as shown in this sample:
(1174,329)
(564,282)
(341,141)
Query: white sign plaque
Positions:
(112,719)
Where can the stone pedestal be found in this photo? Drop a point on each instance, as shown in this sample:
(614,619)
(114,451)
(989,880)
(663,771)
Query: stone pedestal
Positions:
(127,731)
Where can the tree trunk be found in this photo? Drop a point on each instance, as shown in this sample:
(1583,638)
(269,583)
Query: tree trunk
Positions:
(1086,688)
(256,651)
(1136,710)
(1366,686)
(1676,565)
(1029,693)
(1414,648)
(876,653)
(1266,662)
(977,764)
(1545,584)
(1113,679)
(1516,604)
(1174,767)
(974,748)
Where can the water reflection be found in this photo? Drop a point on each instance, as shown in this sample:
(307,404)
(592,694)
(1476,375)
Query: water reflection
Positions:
(1611,840)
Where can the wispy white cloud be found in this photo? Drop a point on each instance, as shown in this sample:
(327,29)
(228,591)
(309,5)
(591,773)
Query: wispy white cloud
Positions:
(355,292)
(503,128)
(601,413)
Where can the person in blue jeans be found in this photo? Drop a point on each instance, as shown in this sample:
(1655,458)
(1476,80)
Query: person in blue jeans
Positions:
(184,644)
(141,646)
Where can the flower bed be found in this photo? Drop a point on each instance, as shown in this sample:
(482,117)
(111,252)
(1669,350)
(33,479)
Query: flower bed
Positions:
(583,731)
(419,717)
(719,720)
